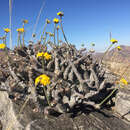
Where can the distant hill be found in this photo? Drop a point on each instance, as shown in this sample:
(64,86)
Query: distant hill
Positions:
(117,61)
(115,55)
(119,56)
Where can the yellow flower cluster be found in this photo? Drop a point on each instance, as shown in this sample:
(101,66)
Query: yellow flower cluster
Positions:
(119,48)
(60,14)
(25,21)
(113,41)
(43,80)
(44,55)
(20,30)
(56,20)
(39,54)
(7,30)
(2,46)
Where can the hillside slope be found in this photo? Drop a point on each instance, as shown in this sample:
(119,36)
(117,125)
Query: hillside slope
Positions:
(118,61)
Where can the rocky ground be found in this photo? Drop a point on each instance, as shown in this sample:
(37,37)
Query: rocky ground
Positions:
(84,117)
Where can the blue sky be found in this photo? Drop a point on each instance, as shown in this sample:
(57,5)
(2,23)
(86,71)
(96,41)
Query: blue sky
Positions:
(85,21)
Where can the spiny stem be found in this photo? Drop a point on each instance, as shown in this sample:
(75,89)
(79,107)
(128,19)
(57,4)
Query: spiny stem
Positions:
(57,37)
(23,106)
(54,34)
(44,43)
(5,38)
(46,96)
(43,31)
(23,35)
(63,30)
(106,52)
(49,39)
(43,63)
(18,39)
(108,96)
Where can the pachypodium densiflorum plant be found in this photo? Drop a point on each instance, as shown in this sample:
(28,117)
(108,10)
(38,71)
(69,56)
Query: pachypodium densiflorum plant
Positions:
(44,29)
(24,22)
(62,76)
(56,21)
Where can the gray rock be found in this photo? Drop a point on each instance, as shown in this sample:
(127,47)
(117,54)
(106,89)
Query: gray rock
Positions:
(7,113)
(29,120)
(122,103)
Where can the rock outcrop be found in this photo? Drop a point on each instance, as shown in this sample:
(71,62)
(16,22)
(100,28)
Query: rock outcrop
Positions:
(122,103)
(85,117)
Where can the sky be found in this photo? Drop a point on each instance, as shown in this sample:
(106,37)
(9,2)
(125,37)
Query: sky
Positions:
(84,21)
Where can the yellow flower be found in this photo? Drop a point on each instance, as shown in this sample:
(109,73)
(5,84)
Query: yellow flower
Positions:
(48,21)
(7,30)
(58,27)
(47,56)
(113,40)
(2,46)
(56,20)
(40,54)
(119,48)
(60,14)
(20,30)
(43,80)
(123,81)
(25,21)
